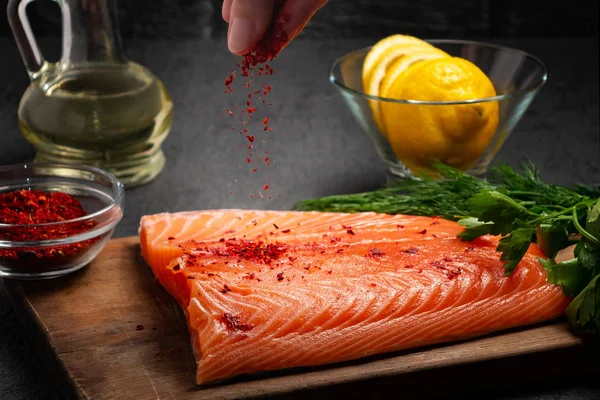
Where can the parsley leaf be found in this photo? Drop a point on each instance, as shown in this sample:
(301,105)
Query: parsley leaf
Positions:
(584,310)
(515,245)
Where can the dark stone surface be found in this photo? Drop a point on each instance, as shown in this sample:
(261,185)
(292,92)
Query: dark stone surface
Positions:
(357,18)
(316,149)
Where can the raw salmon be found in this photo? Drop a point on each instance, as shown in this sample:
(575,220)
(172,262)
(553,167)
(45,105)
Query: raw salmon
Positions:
(269,290)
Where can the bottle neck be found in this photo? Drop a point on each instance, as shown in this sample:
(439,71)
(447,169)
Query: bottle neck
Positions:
(91,32)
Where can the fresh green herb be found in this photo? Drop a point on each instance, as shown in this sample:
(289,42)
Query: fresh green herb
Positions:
(447,197)
(521,208)
(428,197)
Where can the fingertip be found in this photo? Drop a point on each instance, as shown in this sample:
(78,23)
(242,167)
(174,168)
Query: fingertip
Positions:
(226,10)
(242,35)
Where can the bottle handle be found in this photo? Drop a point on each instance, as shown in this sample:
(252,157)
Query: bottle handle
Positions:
(21,29)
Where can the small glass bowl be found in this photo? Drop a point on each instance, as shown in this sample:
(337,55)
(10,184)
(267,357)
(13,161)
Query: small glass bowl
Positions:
(516,75)
(100,194)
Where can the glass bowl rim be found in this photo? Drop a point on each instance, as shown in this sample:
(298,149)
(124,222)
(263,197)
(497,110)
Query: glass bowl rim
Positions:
(115,202)
(532,88)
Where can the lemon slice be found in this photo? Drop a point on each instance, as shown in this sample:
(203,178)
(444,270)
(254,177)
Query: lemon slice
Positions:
(382,48)
(382,81)
(389,84)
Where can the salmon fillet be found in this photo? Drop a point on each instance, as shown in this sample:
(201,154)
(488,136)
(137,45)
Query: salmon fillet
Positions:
(270,290)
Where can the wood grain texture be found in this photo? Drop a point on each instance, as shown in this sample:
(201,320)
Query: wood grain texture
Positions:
(111,332)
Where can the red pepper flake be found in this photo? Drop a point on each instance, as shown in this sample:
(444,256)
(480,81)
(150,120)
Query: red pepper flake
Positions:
(257,251)
(412,250)
(177,267)
(400,226)
(250,138)
(265,120)
(266,187)
(230,79)
(32,207)
(329,272)
(346,227)
(335,240)
(339,250)
(249,160)
(280,276)
(350,232)
(250,276)
(292,259)
(375,252)
(191,277)
(225,289)
(255,169)
(267,161)
(232,323)
(434,223)
(286,231)
(434,235)
(424,231)
(230,112)
(139,327)
(251,110)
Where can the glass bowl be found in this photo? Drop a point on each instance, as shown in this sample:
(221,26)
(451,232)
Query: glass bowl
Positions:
(72,243)
(516,75)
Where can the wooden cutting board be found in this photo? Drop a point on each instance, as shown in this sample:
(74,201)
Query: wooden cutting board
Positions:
(110,331)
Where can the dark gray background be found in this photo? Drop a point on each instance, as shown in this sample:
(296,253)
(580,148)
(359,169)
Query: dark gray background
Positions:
(316,147)
(356,18)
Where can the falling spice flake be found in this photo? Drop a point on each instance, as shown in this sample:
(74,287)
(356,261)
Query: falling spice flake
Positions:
(230,112)
(350,232)
(255,64)
(139,327)
(250,138)
(280,276)
(266,187)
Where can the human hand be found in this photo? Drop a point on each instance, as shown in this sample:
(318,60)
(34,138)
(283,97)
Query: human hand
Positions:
(248,20)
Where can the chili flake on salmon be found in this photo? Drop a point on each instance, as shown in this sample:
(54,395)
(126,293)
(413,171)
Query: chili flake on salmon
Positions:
(271,290)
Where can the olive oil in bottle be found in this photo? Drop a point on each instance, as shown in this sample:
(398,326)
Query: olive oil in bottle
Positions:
(94,106)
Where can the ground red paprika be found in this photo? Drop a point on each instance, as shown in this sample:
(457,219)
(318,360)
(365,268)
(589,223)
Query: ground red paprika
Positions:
(30,208)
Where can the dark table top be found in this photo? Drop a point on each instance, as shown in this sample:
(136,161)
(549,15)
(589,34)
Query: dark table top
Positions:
(316,149)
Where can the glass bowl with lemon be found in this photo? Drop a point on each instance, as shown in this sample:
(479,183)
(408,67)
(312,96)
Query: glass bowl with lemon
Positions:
(448,101)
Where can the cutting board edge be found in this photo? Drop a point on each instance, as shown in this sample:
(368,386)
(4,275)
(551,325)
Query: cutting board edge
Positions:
(42,342)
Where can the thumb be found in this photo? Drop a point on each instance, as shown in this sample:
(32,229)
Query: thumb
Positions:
(248,20)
